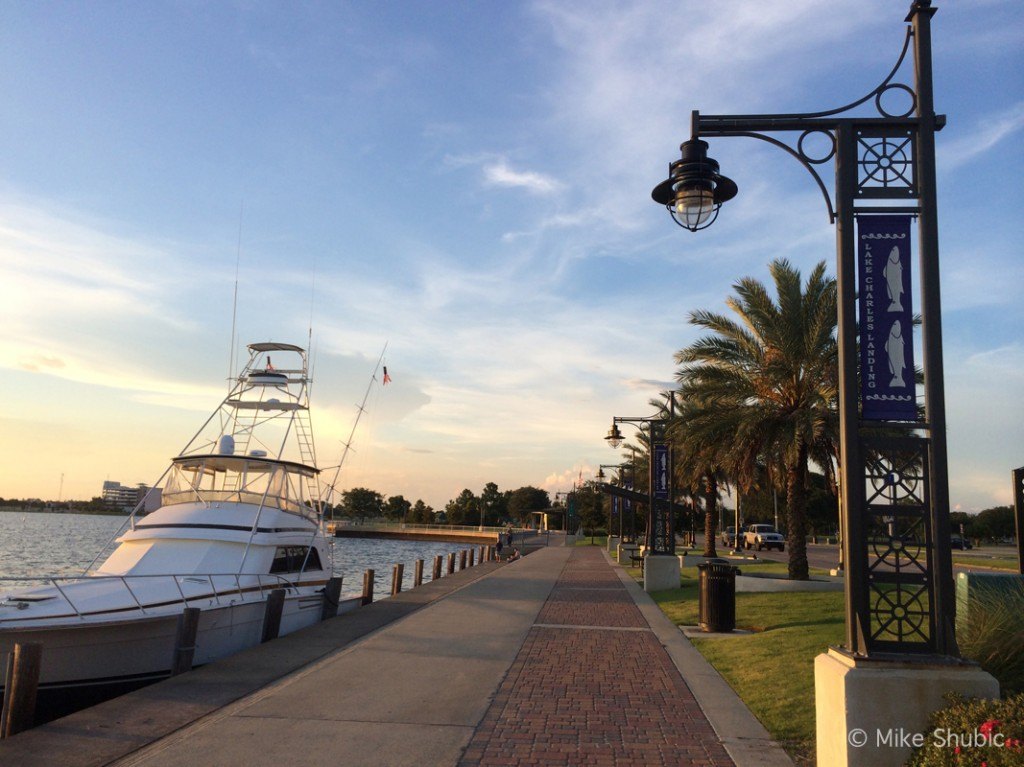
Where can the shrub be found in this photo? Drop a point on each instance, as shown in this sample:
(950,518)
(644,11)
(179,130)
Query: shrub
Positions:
(974,732)
(991,632)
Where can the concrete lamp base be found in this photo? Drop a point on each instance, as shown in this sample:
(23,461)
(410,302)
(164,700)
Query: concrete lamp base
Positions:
(624,551)
(871,713)
(661,572)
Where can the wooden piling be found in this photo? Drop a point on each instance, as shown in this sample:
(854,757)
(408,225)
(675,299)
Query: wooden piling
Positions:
(437,567)
(332,595)
(462,560)
(472,557)
(483,554)
(185,641)
(451,563)
(417,574)
(397,573)
(272,615)
(8,676)
(367,587)
(22,682)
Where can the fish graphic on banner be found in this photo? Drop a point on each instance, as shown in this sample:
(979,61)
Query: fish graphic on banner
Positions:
(887,385)
(661,472)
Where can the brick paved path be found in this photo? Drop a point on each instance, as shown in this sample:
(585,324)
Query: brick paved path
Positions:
(593,686)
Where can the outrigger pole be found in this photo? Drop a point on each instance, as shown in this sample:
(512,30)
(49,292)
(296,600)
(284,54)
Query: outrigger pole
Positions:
(359,415)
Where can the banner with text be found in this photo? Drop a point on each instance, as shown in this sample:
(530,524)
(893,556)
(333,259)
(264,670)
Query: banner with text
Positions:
(886,319)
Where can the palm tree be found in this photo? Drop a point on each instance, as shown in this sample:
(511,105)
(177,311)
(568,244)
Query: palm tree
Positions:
(763,389)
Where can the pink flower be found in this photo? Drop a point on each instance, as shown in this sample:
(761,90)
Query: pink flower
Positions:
(987,727)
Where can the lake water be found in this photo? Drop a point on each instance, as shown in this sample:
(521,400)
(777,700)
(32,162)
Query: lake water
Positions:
(34,544)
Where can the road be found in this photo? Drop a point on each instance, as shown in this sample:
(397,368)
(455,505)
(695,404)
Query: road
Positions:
(826,556)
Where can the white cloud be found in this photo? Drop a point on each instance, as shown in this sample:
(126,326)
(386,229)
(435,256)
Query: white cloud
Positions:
(986,133)
(500,174)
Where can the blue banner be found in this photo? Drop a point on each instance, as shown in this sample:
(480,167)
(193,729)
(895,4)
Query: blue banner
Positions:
(661,472)
(886,319)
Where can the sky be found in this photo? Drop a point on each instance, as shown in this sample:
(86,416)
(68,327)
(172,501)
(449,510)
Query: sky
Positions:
(467,183)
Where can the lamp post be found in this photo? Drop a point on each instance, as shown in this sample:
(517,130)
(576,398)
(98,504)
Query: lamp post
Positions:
(899,586)
(894,489)
(660,534)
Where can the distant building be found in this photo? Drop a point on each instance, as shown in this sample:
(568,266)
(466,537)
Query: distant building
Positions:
(124,496)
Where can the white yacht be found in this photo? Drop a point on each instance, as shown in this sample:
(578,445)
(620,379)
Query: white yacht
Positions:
(240,514)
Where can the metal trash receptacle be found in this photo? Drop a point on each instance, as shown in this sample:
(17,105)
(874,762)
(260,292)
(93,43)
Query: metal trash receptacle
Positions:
(717,603)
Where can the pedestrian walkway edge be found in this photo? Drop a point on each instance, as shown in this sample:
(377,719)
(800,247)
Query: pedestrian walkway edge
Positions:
(745,739)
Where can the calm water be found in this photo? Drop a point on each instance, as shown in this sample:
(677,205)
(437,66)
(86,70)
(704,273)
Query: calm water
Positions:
(34,544)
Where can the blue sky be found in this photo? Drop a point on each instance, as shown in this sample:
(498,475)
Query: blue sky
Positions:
(468,182)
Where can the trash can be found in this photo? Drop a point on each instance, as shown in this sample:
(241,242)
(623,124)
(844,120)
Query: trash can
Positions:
(717,596)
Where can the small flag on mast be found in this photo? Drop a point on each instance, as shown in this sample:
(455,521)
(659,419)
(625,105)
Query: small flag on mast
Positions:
(387,378)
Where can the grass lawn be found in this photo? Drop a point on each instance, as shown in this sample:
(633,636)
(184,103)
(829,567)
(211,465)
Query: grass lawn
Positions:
(598,540)
(771,670)
(996,563)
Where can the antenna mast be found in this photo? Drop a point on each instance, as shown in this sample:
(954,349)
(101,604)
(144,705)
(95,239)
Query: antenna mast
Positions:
(234,301)
(359,414)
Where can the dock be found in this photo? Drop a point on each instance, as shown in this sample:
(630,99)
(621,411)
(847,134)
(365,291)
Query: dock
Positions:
(558,658)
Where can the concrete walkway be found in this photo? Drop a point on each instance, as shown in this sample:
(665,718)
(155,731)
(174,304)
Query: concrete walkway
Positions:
(557,659)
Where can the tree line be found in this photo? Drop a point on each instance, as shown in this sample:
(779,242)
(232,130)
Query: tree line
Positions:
(492,507)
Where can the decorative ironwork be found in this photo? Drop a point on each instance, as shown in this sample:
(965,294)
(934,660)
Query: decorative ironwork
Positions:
(885,164)
(899,607)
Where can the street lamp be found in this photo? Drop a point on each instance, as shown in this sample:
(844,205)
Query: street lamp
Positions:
(614,437)
(694,190)
(899,586)
(660,535)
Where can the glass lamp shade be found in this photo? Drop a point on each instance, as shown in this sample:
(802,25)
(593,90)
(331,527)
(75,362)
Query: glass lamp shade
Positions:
(693,206)
(614,437)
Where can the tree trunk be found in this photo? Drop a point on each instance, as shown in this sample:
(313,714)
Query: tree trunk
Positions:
(710,514)
(796,536)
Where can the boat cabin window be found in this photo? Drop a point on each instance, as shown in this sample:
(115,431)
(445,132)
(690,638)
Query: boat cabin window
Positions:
(289,559)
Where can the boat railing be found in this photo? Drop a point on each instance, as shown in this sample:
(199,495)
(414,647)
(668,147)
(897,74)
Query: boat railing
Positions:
(334,525)
(209,586)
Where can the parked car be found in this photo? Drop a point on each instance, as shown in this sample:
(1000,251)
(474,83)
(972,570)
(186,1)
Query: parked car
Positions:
(763,537)
(729,537)
(959,542)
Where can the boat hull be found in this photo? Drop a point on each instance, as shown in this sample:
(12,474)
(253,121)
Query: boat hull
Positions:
(85,663)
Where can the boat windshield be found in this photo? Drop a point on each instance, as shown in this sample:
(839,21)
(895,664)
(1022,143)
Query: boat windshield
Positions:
(259,481)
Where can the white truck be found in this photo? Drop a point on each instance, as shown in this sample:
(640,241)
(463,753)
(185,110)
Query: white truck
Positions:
(763,537)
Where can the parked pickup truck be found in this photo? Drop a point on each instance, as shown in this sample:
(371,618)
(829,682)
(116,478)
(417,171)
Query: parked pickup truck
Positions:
(763,537)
